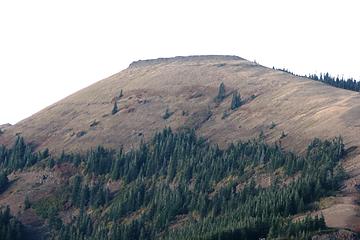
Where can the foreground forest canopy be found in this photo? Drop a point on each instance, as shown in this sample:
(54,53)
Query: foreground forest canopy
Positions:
(178,186)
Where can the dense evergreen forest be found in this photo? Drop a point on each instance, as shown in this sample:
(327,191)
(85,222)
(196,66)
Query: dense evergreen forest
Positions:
(10,228)
(349,83)
(178,186)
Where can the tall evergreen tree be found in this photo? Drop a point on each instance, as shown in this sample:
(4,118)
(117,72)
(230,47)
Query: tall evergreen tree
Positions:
(4,181)
(222,92)
(236,100)
(115,108)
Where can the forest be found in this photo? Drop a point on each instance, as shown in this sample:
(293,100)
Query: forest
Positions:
(180,186)
(10,228)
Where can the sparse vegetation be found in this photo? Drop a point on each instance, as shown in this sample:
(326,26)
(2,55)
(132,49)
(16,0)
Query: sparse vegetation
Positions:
(221,65)
(272,125)
(81,133)
(94,123)
(167,114)
(225,114)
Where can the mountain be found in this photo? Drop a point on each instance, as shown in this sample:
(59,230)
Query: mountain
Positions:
(187,86)
(181,93)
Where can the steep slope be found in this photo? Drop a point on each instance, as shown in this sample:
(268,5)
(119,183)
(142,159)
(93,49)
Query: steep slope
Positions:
(276,102)
(187,86)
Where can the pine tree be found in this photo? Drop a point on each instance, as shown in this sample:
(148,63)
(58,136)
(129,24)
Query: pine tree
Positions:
(4,181)
(271,233)
(222,92)
(301,205)
(76,190)
(115,108)
(236,100)
(27,203)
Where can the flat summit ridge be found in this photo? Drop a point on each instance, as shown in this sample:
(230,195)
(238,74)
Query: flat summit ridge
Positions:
(148,62)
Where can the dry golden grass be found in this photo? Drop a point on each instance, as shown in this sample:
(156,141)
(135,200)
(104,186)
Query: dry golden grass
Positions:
(301,108)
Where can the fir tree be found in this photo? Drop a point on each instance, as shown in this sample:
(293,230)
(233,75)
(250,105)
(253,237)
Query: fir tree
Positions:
(222,92)
(235,101)
(27,203)
(115,108)
(4,181)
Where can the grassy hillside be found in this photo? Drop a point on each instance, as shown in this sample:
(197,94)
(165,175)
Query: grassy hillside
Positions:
(187,86)
(181,93)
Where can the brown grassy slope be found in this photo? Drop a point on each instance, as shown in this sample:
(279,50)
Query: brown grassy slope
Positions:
(3,127)
(302,108)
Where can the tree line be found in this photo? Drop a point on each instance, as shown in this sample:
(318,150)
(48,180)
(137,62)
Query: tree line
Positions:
(344,83)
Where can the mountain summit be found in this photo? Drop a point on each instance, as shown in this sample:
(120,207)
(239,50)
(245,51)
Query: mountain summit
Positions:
(223,98)
(186,87)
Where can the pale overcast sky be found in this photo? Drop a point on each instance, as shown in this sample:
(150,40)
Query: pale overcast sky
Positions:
(50,49)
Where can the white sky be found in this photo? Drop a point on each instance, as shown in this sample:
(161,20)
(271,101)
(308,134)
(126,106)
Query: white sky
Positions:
(50,49)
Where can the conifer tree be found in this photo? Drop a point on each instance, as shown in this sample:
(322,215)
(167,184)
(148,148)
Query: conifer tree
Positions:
(222,92)
(115,108)
(236,100)
(4,181)
(27,203)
